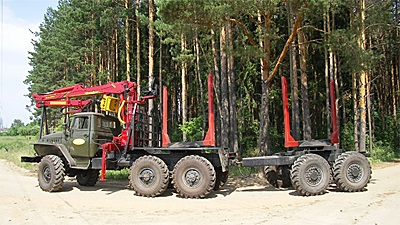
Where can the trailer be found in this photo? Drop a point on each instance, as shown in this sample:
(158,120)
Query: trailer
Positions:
(311,165)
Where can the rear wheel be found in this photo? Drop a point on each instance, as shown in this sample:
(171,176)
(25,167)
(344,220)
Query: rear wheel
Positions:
(194,177)
(352,172)
(310,175)
(149,176)
(51,173)
(88,177)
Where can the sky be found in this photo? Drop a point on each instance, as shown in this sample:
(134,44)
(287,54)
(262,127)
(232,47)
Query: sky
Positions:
(17,18)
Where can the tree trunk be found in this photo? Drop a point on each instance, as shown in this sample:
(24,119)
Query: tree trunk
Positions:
(217,89)
(127,43)
(327,51)
(198,72)
(294,77)
(184,85)
(363,82)
(304,85)
(138,48)
(151,63)
(224,90)
(94,77)
(264,145)
(232,94)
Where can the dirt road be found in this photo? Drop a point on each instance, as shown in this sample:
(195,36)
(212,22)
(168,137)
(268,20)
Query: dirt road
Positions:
(22,202)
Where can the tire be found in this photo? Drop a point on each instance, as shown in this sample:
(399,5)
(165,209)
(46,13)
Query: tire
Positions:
(310,175)
(285,177)
(271,175)
(88,177)
(194,177)
(149,176)
(221,178)
(351,172)
(51,173)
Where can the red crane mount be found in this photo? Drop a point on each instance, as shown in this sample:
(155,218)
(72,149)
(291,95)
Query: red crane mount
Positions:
(307,164)
(122,133)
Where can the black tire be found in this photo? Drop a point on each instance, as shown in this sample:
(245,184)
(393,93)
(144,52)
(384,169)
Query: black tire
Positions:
(271,175)
(310,175)
(51,173)
(351,172)
(221,178)
(88,177)
(149,176)
(285,177)
(194,177)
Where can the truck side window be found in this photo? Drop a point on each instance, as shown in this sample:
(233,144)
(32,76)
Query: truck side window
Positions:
(81,123)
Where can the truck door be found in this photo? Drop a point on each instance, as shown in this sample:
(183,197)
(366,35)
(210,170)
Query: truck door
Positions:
(79,139)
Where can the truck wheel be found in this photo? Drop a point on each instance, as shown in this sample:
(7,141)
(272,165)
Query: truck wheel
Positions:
(221,178)
(149,176)
(271,175)
(51,173)
(88,177)
(285,176)
(194,177)
(351,171)
(310,175)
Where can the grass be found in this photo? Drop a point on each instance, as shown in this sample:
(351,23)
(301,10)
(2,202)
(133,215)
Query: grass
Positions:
(12,148)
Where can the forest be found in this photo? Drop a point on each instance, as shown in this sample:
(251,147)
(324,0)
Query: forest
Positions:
(247,45)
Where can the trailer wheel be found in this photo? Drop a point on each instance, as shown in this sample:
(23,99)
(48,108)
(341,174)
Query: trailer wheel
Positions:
(271,175)
(51,173)
(149,176)
(310,175)
(221,178)
(88,177)
(352,172)
(194,177)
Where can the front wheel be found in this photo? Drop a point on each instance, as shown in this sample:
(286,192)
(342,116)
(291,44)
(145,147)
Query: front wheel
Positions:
(194,177)
(351,172)
(310,175)
(51,173)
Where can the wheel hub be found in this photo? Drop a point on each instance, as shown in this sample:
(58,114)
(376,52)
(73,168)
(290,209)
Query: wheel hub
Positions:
(47,174)
(313,176)
(192,178)
(355,173)
(146,176)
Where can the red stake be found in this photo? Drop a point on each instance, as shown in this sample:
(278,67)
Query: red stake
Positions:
(289,140)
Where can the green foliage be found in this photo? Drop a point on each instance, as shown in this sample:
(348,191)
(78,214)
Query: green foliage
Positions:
(193,128)
(118,174)
(19,129)
(238,171)
(383,153)
(347,137)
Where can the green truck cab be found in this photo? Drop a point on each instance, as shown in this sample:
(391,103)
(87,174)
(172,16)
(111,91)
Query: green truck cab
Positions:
(74,148)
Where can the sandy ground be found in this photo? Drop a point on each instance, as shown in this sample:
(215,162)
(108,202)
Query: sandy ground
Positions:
(241,201)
